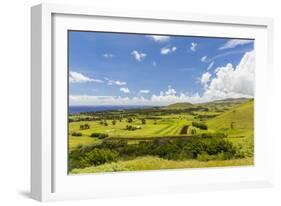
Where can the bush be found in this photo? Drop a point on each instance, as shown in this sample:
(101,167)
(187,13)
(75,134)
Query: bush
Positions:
(132,128)
(76,134)
(99,135)
(113,122)
(203,149)
(213,135)
(200,125)
(93,157)
(84,126)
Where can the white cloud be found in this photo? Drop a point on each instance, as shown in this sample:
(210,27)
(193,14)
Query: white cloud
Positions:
(158,38)
(193,46)
(139,56)
(108,55)
(171,96)
(233,82)
(144,91)
(205,78)
(125,90)
(75,77)
(204,59)
(115,82)
(167,50)
(234,42)
(210,66)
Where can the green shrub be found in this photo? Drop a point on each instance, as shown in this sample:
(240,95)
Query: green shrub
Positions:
(94,157)
(213,135)
(99,135)
(84,126)
(76,134)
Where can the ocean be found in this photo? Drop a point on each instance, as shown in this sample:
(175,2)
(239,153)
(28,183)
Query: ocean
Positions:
(78,109)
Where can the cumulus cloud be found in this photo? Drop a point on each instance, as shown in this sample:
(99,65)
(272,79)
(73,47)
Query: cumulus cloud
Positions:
(172,96)
(234,43)
(204,59)
(125,90)
(139,56)
(167,50)
(233,82)
(75,77)
(158,38)
(193,46)
(205,78)
(115,82)
(144,91)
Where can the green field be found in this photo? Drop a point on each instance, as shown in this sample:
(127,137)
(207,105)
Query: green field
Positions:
(181,126)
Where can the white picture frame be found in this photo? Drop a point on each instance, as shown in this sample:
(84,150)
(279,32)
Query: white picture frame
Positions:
(49,178)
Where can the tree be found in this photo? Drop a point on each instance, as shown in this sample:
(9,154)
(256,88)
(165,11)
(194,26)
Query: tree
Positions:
(232,125)
(143,121)
(113,122)
(130,120)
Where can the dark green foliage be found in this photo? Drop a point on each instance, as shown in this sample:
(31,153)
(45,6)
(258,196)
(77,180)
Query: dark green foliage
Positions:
(83,157)
(202,148)
(212,135)
(113,122)
(132,128)
(84,126)
(130,120)
(99,135)
(200,125)
(143,121)
(76,134)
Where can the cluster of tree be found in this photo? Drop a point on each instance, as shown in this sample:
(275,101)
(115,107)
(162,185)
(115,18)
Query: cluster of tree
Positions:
(104,123)
(76,134)
(84,126)
(99,135)
(200,148)
(200,125)
(202,117)
(132,128)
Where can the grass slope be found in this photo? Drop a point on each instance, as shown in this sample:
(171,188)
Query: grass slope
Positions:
(156,163)
(240,117)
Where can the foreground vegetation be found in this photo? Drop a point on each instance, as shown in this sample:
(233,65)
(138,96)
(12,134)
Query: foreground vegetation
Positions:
(181,135)
(156,163)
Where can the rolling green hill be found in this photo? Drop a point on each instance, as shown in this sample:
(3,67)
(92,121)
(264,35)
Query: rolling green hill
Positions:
(180,105)
(240,118)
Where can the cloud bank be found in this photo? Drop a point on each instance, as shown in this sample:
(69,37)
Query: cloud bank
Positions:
(226,82)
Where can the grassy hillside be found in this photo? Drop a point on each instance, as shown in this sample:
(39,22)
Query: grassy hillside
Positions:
(181,105)
(238,118)
(156,163)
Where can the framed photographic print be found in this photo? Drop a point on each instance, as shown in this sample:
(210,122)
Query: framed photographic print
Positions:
(136,102)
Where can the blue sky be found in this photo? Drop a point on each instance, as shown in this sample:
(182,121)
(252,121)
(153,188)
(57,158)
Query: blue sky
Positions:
(138,69)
